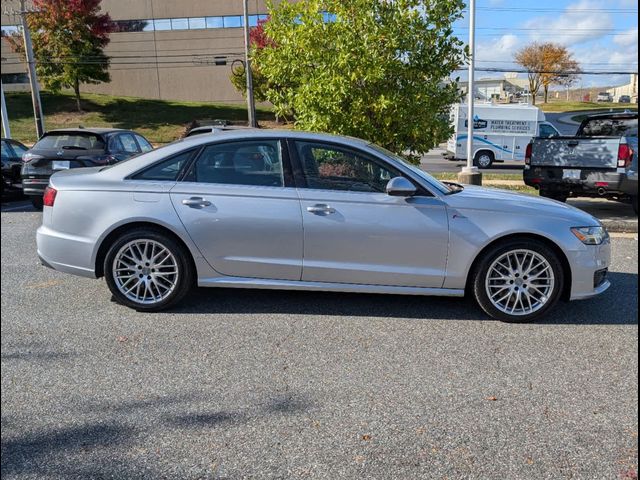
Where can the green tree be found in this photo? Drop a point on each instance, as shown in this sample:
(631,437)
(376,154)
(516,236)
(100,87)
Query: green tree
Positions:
(68,41)
(374,69)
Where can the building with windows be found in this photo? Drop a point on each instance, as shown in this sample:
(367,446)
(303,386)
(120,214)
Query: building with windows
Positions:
(500,89)
(163,49)
(630,89)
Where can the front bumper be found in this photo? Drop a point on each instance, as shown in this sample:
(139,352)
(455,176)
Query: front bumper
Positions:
(587,265)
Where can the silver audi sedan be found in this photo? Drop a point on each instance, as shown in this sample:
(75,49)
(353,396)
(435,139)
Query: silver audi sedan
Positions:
(293,210)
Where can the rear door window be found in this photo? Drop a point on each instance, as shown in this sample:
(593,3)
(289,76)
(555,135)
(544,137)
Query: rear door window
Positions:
(251,163)
(57,141)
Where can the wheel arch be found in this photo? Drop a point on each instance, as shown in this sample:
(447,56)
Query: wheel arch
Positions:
(564,261)
(120,229)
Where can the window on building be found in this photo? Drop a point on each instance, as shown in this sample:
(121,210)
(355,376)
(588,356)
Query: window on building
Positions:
(9,30)
(215,22)
(162,24)
(132,25)
(179,24)
(14,78)
(197,23)
(233,21)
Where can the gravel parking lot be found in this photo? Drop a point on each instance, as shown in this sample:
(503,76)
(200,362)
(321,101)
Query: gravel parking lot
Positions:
(262,384)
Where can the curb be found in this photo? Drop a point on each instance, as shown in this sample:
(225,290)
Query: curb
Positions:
(620,226)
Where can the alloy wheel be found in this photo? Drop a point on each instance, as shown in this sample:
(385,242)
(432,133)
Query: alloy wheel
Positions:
(145,271)
(520,282)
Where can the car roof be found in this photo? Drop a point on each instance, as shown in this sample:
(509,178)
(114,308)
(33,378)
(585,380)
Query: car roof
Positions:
(93,130)
(255,133)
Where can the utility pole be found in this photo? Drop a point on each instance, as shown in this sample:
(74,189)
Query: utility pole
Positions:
(251,105)
(470,174)
(5,118)
(33,77)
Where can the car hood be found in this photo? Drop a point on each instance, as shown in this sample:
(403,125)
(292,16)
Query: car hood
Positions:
(504,201)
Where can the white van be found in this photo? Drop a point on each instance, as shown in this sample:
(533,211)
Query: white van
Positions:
(501,132)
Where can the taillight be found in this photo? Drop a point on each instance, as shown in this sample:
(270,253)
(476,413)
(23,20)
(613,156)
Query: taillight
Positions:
(625,155)
(49,196)
(527,155)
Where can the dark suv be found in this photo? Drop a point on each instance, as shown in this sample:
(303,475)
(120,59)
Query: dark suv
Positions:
(12,152)
(76,148)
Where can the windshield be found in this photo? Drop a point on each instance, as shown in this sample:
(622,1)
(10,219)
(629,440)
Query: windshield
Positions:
(80,141)
(437,184)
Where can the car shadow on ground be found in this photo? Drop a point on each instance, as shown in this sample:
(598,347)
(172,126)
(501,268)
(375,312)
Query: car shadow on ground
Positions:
(606,309)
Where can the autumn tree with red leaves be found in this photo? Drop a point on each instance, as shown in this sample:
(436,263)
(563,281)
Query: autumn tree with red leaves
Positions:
(257,41)
(69,37)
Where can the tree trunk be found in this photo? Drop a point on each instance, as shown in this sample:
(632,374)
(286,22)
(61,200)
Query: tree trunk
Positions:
(76,90)
(546,94)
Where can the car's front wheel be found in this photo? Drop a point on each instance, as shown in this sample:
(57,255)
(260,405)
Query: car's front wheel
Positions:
(148,270)
(518,280)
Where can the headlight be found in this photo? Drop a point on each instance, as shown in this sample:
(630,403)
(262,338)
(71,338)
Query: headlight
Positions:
(591,235)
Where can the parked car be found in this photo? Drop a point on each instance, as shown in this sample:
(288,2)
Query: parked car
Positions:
(604,97)
(296,210)
(12,152)
(214,129)
(76,148)
(624,99)
(600,161)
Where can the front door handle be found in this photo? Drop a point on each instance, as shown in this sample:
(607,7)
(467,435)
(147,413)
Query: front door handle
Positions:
(321,209)
(196,202)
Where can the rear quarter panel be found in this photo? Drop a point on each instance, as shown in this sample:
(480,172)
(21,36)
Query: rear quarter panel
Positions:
(88,217)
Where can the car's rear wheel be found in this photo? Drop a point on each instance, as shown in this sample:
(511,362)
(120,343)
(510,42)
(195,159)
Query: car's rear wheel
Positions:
(518,281)
(148,270)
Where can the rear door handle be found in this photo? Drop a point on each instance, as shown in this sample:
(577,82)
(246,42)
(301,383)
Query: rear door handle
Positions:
(573,143)
(321,209)
(196,202)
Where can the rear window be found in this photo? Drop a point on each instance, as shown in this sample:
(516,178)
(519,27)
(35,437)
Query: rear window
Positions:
(610,127)
(82,141)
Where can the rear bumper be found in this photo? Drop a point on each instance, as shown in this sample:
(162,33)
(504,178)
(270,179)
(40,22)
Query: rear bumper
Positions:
(591,182)
(65,253)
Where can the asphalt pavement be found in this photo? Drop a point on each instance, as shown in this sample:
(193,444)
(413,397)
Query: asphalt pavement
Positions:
(265,384)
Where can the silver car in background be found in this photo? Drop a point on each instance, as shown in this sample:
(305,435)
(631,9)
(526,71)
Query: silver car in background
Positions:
(292,210)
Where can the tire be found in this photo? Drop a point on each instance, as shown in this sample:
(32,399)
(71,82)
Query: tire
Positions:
(634,204)
(167,289)
(484,159)
(516,283)
(37,202)
(557,196)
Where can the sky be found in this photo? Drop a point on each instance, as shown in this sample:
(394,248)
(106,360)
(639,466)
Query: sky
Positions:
(602,35)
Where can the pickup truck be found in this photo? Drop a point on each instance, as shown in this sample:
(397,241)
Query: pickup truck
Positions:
(599,161)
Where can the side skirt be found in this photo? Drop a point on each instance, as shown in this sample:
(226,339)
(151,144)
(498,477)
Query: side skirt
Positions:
(238,282)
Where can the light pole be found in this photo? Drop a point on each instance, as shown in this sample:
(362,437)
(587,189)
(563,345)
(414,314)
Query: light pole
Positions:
(251,106)
(33,78)
(470,174)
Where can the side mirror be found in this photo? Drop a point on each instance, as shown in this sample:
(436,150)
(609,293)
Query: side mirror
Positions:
(400,187)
